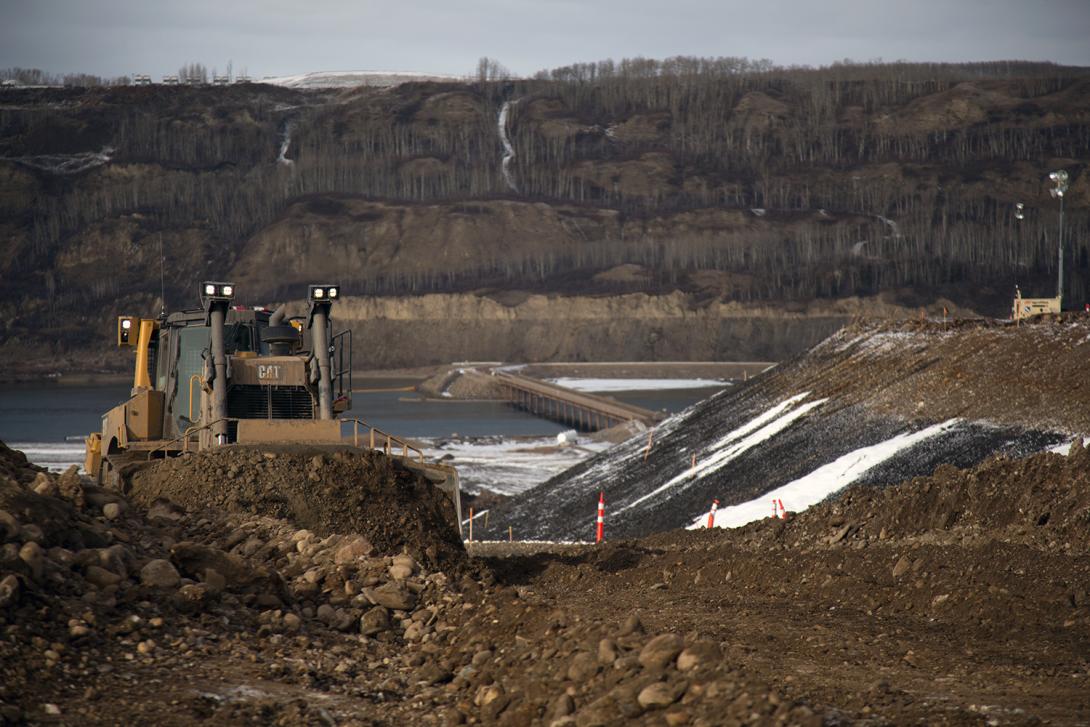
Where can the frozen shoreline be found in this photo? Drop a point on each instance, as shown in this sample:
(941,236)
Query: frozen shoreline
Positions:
(508,466)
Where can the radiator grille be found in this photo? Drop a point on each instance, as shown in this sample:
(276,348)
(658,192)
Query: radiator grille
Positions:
(247,401)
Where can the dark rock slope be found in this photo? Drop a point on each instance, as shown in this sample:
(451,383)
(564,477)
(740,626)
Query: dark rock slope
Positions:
(873,404)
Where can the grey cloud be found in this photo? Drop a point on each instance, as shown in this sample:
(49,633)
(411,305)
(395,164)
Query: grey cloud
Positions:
(115,37)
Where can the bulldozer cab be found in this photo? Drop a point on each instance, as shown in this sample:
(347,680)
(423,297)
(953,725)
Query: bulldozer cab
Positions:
(271,375)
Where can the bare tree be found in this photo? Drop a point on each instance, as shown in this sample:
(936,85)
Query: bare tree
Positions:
(489,69)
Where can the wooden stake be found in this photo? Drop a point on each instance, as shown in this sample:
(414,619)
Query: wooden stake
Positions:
(471,524)
(510,535)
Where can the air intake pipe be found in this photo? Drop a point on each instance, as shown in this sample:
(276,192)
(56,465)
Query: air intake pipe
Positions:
(278,315)
(321,301)
(281,338)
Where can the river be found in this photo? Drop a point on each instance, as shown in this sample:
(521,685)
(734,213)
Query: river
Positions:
(494,446)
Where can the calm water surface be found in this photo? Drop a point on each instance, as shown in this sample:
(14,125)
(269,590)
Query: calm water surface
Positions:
(49,420)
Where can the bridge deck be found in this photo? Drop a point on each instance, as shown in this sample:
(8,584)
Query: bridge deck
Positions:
(577,408)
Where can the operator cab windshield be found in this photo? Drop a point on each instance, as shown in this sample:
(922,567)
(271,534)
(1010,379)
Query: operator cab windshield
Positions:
(194,343)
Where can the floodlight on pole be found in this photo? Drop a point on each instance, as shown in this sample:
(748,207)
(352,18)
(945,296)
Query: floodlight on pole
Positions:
(1059,179)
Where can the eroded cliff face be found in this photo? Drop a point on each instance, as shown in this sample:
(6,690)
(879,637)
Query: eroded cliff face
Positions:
(432,329)
(416,248)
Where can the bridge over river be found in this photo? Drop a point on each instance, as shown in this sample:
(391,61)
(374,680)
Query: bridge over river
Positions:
(587,412)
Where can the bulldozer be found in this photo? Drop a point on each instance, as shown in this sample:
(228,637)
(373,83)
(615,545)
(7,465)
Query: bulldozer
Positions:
(226,375)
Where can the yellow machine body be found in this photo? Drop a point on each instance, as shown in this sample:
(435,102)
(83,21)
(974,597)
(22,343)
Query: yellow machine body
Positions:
(1031,307)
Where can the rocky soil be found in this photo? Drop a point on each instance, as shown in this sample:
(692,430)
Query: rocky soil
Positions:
(330,490)
(948,600)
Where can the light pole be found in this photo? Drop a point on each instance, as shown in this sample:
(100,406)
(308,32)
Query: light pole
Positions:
(1059,179)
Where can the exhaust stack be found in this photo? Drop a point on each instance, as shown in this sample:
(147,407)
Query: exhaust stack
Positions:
(215,298)
(321,301)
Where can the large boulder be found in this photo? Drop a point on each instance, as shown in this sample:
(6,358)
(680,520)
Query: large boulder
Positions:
(160,573)
(661,650)
(220,569)
(392,596)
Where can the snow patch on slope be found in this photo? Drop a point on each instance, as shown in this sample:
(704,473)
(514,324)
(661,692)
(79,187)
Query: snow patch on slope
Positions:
(351,79)
(824,481)
(1065,447)
(508,466)
(736,442)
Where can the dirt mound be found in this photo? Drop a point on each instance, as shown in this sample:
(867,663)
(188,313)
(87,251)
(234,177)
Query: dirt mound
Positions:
(337,491)
(103,604)
(461,383)
(1042,500)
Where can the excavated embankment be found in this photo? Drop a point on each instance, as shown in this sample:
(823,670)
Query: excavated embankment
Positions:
(520,326)
(876,403)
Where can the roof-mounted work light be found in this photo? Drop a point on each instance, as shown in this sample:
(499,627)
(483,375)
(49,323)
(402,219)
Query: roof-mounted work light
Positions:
(323,292)
(215,294)
(127,329)
(213,291)
(321,299)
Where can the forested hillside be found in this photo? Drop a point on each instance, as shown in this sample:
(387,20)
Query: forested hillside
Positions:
(723,178)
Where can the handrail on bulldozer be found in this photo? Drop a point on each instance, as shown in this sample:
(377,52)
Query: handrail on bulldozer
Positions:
(202,383)
(189,432)
(390,438)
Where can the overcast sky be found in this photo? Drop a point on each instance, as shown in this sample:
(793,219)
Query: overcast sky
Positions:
(278,37)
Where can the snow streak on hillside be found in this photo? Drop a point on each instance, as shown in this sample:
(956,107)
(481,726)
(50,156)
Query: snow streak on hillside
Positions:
(736,442)
(66,164)
(508,149)
(285,142)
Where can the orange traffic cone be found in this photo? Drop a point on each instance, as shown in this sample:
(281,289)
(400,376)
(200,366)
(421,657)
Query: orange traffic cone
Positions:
(601,516)
(711,514)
